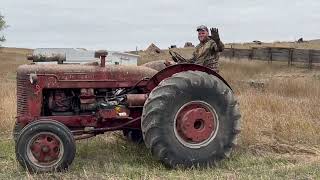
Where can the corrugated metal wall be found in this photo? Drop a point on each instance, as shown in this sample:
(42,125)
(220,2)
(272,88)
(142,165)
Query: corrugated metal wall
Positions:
(78,55)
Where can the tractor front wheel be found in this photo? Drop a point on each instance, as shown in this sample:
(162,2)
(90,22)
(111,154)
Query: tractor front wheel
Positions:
(190,119)
(45,146)
(16,131)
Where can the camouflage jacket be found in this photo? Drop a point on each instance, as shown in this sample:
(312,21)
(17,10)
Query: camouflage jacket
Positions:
(206,54)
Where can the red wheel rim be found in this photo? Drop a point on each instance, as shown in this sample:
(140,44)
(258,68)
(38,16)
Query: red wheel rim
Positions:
(45,149)
(196,124)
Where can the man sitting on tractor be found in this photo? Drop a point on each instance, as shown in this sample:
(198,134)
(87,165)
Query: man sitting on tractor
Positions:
(207,51)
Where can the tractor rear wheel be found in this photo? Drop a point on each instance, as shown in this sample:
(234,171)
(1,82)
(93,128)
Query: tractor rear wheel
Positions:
(133,135)
(191,119)
(45,146)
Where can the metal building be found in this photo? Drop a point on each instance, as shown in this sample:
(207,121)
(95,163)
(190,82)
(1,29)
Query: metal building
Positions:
(122,58)
(80,55)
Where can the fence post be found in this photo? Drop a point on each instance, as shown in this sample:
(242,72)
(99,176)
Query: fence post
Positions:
(290,59)
(310,59)
(233,54)
(270,55)
(238,57)
(251,54)
(230,54)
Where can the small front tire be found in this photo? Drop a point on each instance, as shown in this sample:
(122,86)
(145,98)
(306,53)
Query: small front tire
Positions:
(16,131)
(45,146)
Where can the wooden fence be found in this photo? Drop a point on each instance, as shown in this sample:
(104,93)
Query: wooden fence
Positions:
(290,55)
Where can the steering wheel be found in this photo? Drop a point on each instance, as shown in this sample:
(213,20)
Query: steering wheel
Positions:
(176,57)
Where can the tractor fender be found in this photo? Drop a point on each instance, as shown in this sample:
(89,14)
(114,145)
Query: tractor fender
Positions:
(171,70)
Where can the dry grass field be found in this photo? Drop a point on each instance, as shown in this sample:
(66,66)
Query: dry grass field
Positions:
(280,135)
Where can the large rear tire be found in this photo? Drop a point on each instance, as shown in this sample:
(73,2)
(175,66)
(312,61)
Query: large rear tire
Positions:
(45,146)
(133,135)
(191,119)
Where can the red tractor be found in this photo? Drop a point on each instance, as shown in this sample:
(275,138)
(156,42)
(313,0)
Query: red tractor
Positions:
(186,114)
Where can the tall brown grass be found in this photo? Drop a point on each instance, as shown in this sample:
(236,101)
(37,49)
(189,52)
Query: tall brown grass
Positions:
(10,59)
(7,106)
(284,113)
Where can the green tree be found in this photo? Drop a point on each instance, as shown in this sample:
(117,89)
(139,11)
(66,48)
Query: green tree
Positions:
(2,27)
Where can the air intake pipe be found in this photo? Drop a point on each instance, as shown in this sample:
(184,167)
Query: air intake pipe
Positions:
(102,54)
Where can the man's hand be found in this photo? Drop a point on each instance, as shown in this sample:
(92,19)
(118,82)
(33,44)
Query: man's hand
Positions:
(215,34)
(167,63)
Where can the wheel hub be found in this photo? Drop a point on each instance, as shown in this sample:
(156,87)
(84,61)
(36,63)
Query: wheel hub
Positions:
(196,124)
(45,149)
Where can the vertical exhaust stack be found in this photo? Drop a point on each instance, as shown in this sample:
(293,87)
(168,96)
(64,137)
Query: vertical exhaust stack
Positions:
(102,54)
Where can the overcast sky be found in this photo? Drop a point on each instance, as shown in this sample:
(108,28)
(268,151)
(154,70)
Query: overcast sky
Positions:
(125,24)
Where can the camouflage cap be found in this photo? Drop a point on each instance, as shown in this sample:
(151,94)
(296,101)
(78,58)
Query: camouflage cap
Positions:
(203,28)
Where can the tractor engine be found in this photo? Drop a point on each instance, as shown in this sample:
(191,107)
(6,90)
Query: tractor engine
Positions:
(81,101)
(88,100)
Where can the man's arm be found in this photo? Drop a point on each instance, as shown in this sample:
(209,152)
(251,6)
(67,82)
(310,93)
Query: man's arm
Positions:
(220,46)
(193,59)
(189,60)
(213,48)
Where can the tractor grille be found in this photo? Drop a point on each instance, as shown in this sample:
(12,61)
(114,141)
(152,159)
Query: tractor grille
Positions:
(22,95)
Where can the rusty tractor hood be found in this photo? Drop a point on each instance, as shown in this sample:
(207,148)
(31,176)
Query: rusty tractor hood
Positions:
(81,72)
